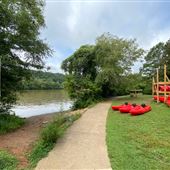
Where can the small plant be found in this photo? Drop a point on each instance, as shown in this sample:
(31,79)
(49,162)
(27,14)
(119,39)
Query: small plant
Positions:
(143,105)
(126,103)
(7,161)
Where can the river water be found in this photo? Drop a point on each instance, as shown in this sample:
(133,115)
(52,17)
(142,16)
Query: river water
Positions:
(37,102)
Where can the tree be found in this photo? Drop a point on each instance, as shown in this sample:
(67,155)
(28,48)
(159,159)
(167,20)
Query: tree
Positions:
(157,56)
(81,72)
(94,72)
(154,59)
(21,47)
(167,53)
(114,56)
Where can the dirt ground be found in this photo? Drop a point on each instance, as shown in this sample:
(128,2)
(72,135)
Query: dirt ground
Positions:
(20,142)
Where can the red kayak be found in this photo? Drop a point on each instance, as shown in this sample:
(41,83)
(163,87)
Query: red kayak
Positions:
(168,102)
(161,99)
(138,110)
(155,97)
(125,108)
(116,107)
(167,88)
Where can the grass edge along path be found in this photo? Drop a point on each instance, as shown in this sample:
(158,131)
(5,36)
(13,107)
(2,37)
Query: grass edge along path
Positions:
(7,161)
(48,137)
(139,142)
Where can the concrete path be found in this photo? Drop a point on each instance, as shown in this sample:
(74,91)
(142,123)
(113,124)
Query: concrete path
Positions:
(83,146)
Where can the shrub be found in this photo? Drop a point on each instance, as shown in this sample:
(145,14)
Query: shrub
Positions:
(9,123)
(7,161)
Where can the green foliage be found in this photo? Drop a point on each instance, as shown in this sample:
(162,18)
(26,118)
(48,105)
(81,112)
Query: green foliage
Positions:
(98,71)
(81,63)
(49,135)
(39,151)
(83,90)
(40,80)
(7,161)
(156,58)
(139,142)
(10,123)
(21,47)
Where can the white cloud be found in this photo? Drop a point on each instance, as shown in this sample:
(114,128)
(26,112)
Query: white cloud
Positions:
(71,24)
(160,36)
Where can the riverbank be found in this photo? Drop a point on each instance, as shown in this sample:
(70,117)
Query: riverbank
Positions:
(20,142)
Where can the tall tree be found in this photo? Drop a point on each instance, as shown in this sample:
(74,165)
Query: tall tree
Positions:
(20,44)
(167,53)
(114,56)
(157,56)
(81,72)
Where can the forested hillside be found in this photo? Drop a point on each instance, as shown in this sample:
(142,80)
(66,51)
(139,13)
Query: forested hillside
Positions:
(43,80)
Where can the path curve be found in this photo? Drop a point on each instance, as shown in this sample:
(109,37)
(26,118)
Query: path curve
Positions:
(83,146)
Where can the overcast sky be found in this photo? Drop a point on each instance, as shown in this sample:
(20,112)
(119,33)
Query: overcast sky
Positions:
(70,24)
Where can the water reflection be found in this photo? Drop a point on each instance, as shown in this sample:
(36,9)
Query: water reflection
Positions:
(36,102)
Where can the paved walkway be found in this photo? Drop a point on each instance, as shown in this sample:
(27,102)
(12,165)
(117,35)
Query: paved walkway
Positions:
(83,146)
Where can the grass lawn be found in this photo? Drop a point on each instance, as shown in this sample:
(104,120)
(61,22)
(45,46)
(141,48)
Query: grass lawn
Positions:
(139,142)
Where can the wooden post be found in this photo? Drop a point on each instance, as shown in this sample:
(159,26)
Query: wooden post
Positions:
(153,81)
(157,87)
(164,82)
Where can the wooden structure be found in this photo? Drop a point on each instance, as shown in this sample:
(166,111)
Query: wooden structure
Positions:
(135,92)
(156,84)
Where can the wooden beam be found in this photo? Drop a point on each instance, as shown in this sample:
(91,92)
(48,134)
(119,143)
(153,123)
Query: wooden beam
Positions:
(153,81)
(164,82)
(157,88)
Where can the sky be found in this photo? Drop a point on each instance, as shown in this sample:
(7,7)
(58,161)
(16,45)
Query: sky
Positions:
(70,24)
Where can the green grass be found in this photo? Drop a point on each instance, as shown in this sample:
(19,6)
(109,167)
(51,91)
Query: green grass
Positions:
(10,123)
(7,161)
(49,135)
(139,142)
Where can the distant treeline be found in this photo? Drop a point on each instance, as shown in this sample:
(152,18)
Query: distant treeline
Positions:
(40,80)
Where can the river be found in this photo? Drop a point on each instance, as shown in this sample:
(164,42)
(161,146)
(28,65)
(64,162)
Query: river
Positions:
(37,102)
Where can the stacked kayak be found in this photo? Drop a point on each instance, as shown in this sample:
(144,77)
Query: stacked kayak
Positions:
(161,99)
(164,88)
(168,103)
(133,109)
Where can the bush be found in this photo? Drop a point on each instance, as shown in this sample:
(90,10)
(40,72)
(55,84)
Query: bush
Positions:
(9,123)
(7,161)
(84,92)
